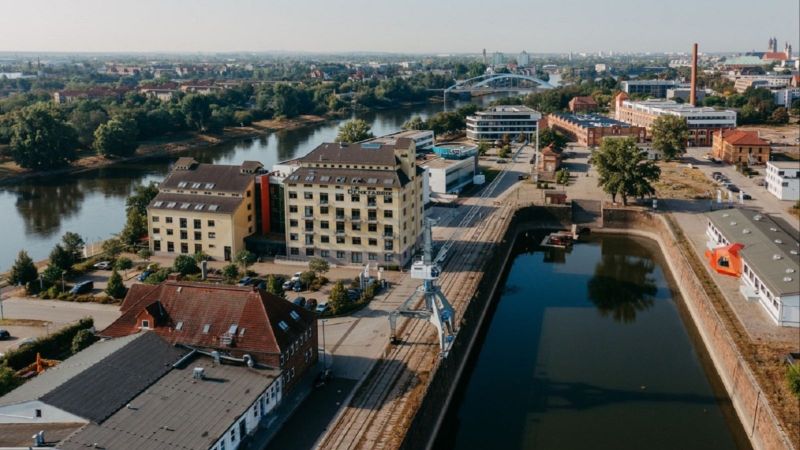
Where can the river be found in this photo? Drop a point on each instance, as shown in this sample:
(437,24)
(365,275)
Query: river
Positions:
(37,212)
(590,348)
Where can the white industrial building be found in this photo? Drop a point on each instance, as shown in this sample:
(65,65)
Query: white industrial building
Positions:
(422,138)
(783,179)
(449,176)
(504,120)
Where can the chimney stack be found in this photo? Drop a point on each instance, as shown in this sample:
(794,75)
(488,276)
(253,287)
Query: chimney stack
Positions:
(693,93)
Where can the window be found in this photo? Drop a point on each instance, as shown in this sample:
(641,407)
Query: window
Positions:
(324,225)
(292,208)
(283,326)
(325,240)
(372,257)
(339,254)
(340,239)
(170,247)
(206,328)
(356,257)
(323,210)
(145,324)
(356,226)
(155,219)
(308,196)
(183,222)
(156,230)
(292,194)
(293,236)
(323,199)
(169,219)
(38,413)
(325,253)
(309,239)
(309,252)
(184,248)
(212,235)
(339,197)
(356,241)
(198,235)
(372,242)
(387,213)
(372,227)
(294,251)
(198,223)
(184,234)
(355,198)
(388,257)
(210,223)
(293,222)
(294,315)
(157,246)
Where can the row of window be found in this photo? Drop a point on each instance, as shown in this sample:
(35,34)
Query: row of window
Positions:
(198,235)
(356,240)
(355,257)
(355,213)
(323,197)
(197,223)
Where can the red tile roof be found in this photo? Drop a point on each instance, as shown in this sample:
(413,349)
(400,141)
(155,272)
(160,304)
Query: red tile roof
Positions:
(741,137)
(194,305)
(584,100)
(780,56)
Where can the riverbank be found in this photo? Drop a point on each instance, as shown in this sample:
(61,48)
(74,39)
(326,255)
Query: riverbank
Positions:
(11,173)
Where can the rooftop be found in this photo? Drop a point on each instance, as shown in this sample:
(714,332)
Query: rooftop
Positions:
(189,175)
(195,203)
(742,137)
(180,411)
(653,82)
(770,251)
(785,164)
(360,153)
(592,120)
(508,109)
(391,139)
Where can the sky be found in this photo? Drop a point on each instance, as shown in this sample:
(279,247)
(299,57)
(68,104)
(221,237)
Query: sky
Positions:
(396,26)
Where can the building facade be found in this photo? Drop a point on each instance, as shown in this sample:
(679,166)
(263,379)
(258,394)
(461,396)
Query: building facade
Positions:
(582,104)
(508,120)
(356,203)
(750,246)
(737,146)
(650,88)
(590,129)
(423,139)
(703,122)
(203,208)
(783,179)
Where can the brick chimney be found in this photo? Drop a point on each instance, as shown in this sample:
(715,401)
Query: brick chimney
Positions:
(693,93)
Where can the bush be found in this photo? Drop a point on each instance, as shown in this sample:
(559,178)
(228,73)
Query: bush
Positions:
(185,265)
(158,276)
(793,378)
(8,380)
(116,288)
(54,346)
(230,272)
(82,339)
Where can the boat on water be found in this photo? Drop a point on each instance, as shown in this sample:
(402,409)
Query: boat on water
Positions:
(558,239)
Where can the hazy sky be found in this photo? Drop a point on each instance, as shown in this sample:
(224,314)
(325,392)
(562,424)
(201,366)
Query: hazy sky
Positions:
(395,26)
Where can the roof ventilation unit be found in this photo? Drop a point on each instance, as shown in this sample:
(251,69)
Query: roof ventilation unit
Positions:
(198,373)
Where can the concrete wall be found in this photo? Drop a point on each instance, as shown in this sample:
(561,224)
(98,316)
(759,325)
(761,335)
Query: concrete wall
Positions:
(751,406)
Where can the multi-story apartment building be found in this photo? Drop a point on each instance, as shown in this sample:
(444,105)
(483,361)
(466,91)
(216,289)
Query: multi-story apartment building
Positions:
(651,88)
(783,179)
(590,129)
(739,146)
(771,82)
(355,203)
(703,122)
(506,120)
(204,208)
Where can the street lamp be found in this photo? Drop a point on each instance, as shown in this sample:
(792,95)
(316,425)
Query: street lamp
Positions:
(63,272)
(324,349)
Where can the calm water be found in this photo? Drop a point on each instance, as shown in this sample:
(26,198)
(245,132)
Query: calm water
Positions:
(35,214)
(588,350)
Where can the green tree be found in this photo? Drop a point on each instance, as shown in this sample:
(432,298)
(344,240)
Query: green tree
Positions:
(185,265)
(415,123)
(779,116)
(24,270)
(124,264)
(40,139)
(197,108)
(145,254)
(669,134)
(87,116)
(483,147)
(793,378)
(274,286)
(200,256)
(141,197)
(82,339)
(562,176)
(112,247)
(307,278)
(624,169)
(53,275)
(556,140)
(504,151)
(117,137)
(158,276)
(135,228)
(8,380)
(73,243)
(338,299)
(115,287)
(244,258)
(60,258)
(319,266)
(354,131)
(230,272)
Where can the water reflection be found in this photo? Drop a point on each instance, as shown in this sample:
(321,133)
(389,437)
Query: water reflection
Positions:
(623,283)
(42,207)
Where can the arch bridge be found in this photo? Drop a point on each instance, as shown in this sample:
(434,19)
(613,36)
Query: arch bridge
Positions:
(498,82)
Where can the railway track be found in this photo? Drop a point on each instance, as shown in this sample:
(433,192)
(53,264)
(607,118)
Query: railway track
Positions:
(382,409)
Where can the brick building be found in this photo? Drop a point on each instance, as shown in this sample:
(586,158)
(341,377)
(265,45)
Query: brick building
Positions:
(582,104)
(738,146)
(590,129)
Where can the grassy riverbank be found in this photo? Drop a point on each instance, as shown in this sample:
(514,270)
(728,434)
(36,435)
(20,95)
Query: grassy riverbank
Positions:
(10,172)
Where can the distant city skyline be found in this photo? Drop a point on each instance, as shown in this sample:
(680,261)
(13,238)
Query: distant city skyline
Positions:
(413,26)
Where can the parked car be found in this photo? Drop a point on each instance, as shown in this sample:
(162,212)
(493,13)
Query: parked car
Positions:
(733,188)
(260,284)
(746,196)
(246,281)
(82,287)
(103,265)
(322,308)
(4,334)
(296,276)
(501,161)
(288,285)
(311,304)
(353,294)
(300,301)
(298,286)
(143,276)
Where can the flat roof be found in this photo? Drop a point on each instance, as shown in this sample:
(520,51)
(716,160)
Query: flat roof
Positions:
(770,250)
(180,411)
(592,120)
(392,138)
(785,164)
(509,108)
(441,163)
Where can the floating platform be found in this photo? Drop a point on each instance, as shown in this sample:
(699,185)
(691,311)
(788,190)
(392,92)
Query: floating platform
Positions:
(559,239)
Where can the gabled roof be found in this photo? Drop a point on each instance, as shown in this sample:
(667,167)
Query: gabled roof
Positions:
(201,314)
(583,100)
(779,56)
(741,137)
(209,177)
(361,153)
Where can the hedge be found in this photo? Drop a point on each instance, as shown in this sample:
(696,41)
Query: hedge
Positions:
(54,346)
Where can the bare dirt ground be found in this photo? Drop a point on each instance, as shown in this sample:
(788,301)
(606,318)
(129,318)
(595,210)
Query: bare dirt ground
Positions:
(779,135)
(678,181)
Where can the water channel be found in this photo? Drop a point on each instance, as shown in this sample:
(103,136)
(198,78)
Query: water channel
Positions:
(590,349)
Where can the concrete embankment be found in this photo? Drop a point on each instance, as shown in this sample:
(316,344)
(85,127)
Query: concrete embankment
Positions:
(749,401)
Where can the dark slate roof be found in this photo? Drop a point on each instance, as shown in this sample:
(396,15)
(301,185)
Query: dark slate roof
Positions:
(349,177)
(195,203)
(212,177)
(100,391)
(361,153)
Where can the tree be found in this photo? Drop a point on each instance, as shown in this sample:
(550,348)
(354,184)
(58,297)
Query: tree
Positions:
(197,108)
(145,254)
(141,197)
(230,272)
(60,258)
(8,380)
(307,278)
(415,123)
(83,339)
(669,134)
(73,243)
(556,140)
(318,266)
(274,286)
(245,259)
(338,299)
(117,137)
(123,264)
(200,256)
(135,228)
(112,247)
(115,288)
(41,139)
(354,131)
(23,271)
(624,169)
(53,275)
(779,116)
(87,116)
(562,176)
(504,151)
(483,147)
(185,265)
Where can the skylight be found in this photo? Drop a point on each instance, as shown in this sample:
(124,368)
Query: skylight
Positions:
(196,185)
(213,207)
(185,205)
(179,326)
(294,315)
(206,328)
(198,206)
(171,205)
(284,326)
(182,184)
(158,204)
